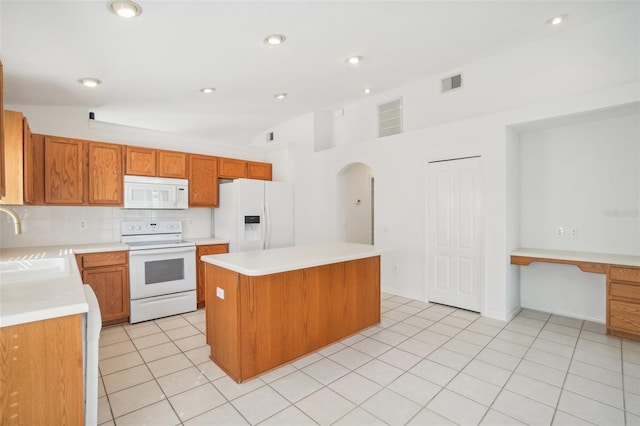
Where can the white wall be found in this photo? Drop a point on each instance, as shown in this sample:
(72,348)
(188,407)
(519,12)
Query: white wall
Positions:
(354,204)
(582,69)
(582,175)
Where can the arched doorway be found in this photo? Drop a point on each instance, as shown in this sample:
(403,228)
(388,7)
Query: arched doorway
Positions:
(355,204)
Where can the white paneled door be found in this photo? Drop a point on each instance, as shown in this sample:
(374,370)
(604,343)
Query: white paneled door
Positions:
(454,233)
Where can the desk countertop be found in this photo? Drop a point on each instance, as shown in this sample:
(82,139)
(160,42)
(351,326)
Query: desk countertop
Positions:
(578,256)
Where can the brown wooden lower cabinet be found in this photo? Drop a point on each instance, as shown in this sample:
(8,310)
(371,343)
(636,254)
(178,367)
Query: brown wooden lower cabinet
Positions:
(256,323)
(205,250)
(108,275)
(623,302)
(41,376)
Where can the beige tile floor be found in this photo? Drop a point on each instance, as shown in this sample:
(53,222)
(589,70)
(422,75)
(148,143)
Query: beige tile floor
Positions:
(424,364)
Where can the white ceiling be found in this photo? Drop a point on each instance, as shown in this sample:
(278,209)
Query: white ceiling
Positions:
(152,67)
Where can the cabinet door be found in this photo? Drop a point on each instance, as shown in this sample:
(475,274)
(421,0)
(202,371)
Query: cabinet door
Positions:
(13,155)
(230,168)
(203,181)
(257,170)
(205,251)
(172,164)
(111,286)
(140,161)
(105,173)
(63,179)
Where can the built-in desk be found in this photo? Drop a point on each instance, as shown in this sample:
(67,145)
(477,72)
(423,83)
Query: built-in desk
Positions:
(623,282)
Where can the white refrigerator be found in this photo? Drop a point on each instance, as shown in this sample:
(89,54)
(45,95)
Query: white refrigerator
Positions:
(254,214)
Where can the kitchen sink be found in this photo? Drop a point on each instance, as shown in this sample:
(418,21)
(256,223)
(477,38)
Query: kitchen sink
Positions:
(35,269)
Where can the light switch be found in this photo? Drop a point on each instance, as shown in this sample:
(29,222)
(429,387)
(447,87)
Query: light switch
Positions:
(220,293)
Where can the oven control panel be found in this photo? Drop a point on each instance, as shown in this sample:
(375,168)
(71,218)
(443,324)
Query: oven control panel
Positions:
(150,227)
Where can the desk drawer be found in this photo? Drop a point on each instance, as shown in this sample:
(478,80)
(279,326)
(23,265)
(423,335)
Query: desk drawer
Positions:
(624,316)
(624,274)
(630,291)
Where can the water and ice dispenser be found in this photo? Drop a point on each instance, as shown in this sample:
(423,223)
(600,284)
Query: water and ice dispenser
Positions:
(252,228)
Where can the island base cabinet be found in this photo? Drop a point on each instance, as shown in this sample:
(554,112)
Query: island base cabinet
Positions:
(41,373)
(256,323)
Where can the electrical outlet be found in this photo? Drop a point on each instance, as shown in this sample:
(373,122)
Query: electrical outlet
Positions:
(83,224)
(574,232)
(560,231)
(189,222)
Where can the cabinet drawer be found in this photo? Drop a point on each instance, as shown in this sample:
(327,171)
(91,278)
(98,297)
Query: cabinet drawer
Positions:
(624,274)
(624,316)
(631,291)
(104,259)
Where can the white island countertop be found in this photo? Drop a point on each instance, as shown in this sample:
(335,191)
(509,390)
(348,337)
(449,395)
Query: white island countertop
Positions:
(40,283)
(272,261)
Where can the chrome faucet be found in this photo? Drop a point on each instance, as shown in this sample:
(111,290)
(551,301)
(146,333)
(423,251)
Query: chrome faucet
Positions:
(15,217)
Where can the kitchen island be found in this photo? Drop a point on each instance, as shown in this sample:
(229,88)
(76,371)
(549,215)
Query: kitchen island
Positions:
(268,307)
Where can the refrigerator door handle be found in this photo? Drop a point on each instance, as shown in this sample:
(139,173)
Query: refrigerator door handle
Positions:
(263,226)
(268,226)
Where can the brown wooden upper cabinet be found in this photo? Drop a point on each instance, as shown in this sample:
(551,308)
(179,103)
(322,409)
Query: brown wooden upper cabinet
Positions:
(153,162)
(231,168)
(105,173)
(63,170)
(17,137)
(72,172)
(257,170)
(140,161)
(172,164)
(203,181)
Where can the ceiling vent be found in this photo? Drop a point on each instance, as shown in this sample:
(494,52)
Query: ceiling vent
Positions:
(390,118)
(451,83)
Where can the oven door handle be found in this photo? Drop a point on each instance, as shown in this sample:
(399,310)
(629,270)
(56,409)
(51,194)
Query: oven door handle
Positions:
(187,249)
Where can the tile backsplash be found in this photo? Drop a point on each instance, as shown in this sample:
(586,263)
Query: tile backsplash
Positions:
(52,225)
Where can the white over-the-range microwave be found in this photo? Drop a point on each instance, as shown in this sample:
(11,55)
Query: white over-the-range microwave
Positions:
(141,192)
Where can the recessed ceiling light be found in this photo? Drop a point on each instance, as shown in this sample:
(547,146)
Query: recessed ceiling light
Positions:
(366,90)
(125,8)
(280,95)
(274,39)
(208,90)
(557,20)
(89,82)
(353,60)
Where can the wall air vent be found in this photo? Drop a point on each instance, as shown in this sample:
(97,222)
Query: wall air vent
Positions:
(451,83)
(390,118)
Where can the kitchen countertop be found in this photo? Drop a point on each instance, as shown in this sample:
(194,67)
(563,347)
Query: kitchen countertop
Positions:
(207,241)
(50,293)
(265,262)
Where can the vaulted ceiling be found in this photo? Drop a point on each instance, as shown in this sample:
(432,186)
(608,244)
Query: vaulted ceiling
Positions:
(152,67)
